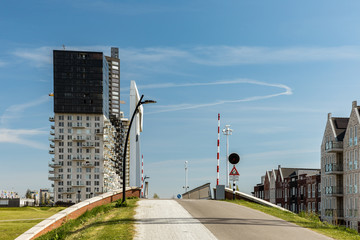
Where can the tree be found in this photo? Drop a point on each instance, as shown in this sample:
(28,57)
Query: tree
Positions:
(237,188)
(28,193)
(156,196)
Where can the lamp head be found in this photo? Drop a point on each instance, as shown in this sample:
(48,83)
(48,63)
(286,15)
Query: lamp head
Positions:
(148,101)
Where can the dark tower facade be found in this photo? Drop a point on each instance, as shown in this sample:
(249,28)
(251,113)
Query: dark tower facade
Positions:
(81,82)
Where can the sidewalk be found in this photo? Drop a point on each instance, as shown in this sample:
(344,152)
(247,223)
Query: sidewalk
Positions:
(166,219)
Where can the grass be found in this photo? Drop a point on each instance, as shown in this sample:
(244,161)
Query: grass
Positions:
(306,220)
(102,222)
(12,229)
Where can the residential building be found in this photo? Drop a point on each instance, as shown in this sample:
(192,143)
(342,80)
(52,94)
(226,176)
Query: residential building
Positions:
(87,128)
(288,188)
(340,165)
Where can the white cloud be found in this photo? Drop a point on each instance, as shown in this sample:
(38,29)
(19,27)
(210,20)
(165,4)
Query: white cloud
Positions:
(158,58)
(171,108)
(38,56)
(17,136)
(14,110)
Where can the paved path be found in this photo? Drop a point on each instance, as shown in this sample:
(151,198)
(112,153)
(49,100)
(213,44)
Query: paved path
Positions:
(166,219)
(230,221)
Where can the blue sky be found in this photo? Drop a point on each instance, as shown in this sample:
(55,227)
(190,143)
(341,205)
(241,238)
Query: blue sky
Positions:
(272,69)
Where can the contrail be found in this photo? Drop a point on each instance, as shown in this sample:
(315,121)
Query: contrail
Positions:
(178,107)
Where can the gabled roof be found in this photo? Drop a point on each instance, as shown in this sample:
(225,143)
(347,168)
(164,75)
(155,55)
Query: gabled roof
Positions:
(288,172)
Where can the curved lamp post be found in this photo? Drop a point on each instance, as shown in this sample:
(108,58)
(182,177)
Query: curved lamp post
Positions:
(126,143)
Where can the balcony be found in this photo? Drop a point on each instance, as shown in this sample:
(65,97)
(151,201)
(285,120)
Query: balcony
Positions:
(99,131)
(334,213)
(52,133)
(55,138)
(54,178)
(78,158)
(79,138)
(51,119)
(334,191)
(333,169)
(78,184)
(51,152)
(51,171)
(88,145)
(87,164)
(78,125)
(52,127)
(333,147)
(52,145)
(55,165)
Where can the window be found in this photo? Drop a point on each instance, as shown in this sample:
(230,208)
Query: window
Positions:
(68,163)
(78,170)
(97,163)
(88,170)
(88,189)
(309,191)
(69,118)
(69,137)
(79,118)
(88,125)
(69,169)
(61,117)
(97,124)
(96,183)
(355,135)
(61,150)
(69,150)
(96,176)
(68,176)
(78,176)
(69,144)
(313,190)
(97,119)
(61,130)
(68,183)
(351,137)
(61,156)
(61,124)
(97,170)
(70,131)
(69,157)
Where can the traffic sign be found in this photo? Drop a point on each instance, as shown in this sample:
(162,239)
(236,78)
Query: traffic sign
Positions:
(234,178)
(234,172)
(179,196)
(234,158)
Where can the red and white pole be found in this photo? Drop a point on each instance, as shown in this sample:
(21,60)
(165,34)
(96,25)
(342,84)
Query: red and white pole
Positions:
(218,150)
(142,176)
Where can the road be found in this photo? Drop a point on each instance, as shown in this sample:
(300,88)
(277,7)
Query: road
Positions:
(230,221)
(207,219)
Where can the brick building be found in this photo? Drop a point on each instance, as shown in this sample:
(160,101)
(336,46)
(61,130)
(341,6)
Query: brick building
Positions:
(296,189)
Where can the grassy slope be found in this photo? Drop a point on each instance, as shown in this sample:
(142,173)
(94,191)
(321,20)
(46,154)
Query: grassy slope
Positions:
(309,221)
(11,230)
(104,222)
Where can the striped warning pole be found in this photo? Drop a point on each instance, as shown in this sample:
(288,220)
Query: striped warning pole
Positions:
(218,150)
(142,175)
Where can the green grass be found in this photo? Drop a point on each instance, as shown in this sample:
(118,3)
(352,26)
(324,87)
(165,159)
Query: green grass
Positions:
(310,221)
(12,229)
(102,222)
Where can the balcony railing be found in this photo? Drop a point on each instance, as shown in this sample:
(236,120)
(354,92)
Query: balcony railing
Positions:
(334,146)
(79,138)
(51,171)
(52,145)
(55,178)
(99,131)
(333,168)
(52,127)
(52,133)
(78,158)
(335,213)
(334,190)
(87,145)
(51,151)
(51,119)
(88,165)
(55,165)
(78,184)
(78,125)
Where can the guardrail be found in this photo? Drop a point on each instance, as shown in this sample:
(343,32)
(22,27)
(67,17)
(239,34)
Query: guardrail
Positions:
(75,211)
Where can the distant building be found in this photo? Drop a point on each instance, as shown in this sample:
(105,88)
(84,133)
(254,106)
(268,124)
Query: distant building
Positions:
(296,189)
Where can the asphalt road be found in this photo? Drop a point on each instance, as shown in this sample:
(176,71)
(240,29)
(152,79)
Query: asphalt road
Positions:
(166,219)
(230,221)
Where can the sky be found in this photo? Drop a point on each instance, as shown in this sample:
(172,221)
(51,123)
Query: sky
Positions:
(272,69)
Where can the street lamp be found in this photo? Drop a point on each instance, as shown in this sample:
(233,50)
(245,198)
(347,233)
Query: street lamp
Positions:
(79,195)
(186,173)
(126,142)
(227,131)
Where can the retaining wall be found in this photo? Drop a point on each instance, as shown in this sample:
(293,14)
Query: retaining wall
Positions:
(75,211)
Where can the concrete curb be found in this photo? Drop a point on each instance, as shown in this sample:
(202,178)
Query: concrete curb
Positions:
(75,211)
(255,199)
